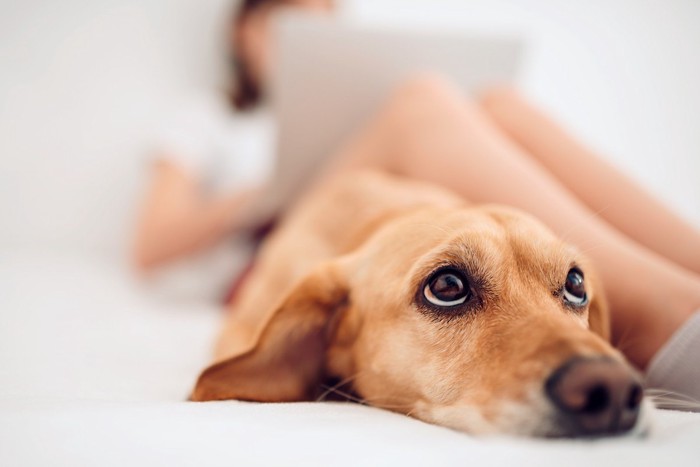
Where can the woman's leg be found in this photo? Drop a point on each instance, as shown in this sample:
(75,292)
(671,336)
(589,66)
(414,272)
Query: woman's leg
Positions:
(606,191)
(427,132)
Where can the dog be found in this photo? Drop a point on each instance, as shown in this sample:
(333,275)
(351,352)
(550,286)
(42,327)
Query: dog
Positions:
(476,318)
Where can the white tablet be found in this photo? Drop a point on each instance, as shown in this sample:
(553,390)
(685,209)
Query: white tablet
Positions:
(330,76)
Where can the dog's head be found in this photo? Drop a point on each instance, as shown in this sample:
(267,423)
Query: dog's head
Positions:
(476,319)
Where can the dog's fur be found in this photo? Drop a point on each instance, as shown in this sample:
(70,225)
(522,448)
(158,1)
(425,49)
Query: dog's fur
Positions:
(337,293)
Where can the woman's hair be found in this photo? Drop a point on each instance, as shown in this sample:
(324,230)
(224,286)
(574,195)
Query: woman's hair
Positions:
(245,93)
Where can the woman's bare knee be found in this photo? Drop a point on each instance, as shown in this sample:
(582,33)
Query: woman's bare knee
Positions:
(421,111)
(425,93)
(424,101)
(499,98)
(428,87)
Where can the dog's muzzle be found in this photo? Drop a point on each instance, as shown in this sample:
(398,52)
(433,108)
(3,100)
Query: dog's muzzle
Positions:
(595,396)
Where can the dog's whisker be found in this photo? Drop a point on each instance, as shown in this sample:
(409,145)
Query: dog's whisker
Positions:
(436,227)
(394,407)
(625,342)
(666,399)
(369,402)
(590,248)
(375,402)
(661,393)
(628,344)
(334,388)
(348,396)
(592,215)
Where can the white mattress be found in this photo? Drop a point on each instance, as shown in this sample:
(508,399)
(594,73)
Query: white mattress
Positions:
(93,371)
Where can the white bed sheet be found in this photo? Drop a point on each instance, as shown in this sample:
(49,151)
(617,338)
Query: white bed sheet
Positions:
(94,372)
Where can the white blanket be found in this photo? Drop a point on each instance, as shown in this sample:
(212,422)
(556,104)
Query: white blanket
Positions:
(93,372)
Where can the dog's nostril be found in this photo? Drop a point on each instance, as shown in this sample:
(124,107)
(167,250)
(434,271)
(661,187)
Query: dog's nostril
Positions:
(635,397)
(595,396)
(597,400)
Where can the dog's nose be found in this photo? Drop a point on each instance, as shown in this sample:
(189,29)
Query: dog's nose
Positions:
(595,396)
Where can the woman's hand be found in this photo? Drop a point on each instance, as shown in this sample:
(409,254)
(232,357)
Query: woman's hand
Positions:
(177,220)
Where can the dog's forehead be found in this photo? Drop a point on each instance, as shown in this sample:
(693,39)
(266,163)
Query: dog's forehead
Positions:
(483,226)
(434,226)
(491,240)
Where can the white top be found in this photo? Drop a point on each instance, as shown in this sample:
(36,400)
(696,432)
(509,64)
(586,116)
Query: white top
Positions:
(228,151)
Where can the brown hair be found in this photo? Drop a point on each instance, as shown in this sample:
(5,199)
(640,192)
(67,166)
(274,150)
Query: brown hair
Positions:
(245,93)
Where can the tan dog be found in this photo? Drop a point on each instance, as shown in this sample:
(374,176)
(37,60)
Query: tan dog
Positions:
(476,318)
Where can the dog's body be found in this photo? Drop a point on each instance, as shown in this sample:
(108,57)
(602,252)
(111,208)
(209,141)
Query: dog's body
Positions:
(462,316)
(331,222)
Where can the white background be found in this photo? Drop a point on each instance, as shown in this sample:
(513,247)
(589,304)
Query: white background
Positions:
(83,83)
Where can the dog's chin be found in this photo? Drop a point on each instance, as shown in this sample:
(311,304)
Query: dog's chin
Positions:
(535,419)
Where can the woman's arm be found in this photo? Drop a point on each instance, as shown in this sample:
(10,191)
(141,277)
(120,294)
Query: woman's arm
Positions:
(177,220)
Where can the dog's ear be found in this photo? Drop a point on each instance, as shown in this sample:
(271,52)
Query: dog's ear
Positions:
(598,313)
(287,362)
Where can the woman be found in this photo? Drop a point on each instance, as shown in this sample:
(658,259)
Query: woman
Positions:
(497,149)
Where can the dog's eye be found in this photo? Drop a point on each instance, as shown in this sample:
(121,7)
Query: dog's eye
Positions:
(447,288)
(574,288)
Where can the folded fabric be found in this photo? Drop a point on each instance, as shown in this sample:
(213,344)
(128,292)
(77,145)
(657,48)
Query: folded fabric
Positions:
(676,369)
